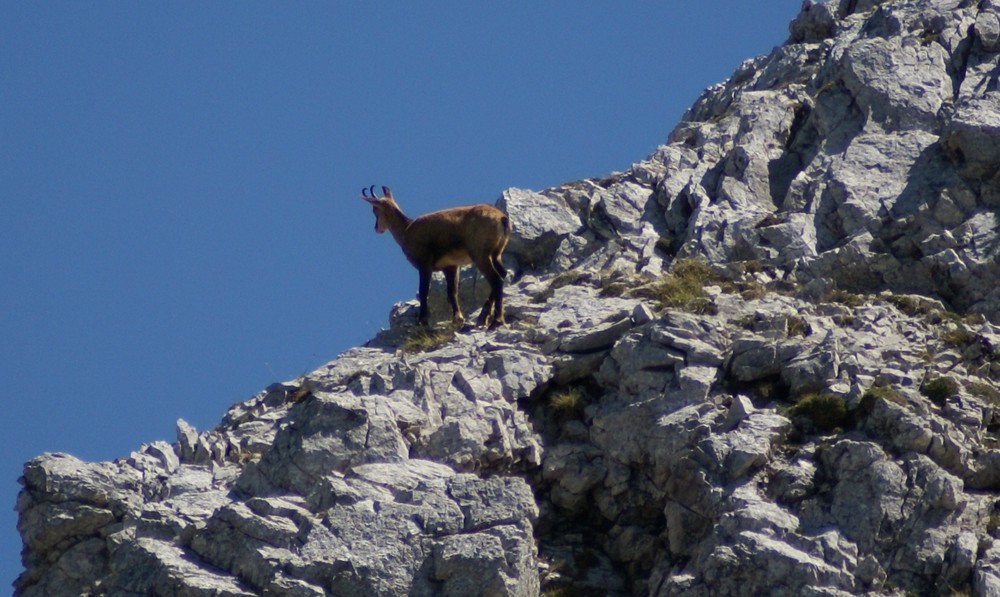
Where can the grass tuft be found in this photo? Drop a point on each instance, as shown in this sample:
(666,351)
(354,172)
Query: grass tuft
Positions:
(959,337)
(684,287)
(423,340)
(843,297)
(568,402)
(985,391)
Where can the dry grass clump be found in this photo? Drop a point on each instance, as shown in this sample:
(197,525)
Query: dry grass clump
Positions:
(683,288)
(422,340)
(567,402)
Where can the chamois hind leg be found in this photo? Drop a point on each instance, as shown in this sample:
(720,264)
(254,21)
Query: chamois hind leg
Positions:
(486,314)
(498,265)
(498,316)
(451,277)
(492,313)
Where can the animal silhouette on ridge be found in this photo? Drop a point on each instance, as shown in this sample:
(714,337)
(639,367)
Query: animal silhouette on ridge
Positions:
(445,240)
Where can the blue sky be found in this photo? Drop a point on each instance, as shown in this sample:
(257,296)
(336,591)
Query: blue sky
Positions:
(179,181)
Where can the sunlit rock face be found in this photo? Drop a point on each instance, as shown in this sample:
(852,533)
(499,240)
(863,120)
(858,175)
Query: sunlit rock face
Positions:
(763,360)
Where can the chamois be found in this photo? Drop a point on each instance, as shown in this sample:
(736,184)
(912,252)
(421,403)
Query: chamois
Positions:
(445,240)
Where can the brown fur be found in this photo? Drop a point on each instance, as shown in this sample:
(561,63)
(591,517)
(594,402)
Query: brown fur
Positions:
(445,240)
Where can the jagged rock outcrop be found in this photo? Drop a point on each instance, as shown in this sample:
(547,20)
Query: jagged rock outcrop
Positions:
(764,360)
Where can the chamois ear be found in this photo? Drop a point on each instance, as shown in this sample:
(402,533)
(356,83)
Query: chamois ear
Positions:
(386,193)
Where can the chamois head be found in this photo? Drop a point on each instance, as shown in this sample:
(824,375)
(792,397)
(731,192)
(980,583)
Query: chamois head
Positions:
(381,207)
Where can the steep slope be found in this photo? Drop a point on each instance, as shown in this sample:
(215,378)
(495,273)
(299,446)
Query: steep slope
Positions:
(764,360)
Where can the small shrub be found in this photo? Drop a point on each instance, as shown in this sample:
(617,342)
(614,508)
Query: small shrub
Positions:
(823,412)
(939,389)
(886,393)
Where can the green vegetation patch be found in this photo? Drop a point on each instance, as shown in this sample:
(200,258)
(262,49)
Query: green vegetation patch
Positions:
(939,389)
(821,412)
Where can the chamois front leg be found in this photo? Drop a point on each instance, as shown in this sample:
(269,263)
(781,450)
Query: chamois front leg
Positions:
(425,285)
(451,277)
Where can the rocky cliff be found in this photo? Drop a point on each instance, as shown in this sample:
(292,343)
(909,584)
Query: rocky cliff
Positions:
(764,360)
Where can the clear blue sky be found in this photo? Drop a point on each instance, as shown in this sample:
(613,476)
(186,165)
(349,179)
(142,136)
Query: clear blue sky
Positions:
(179,181)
